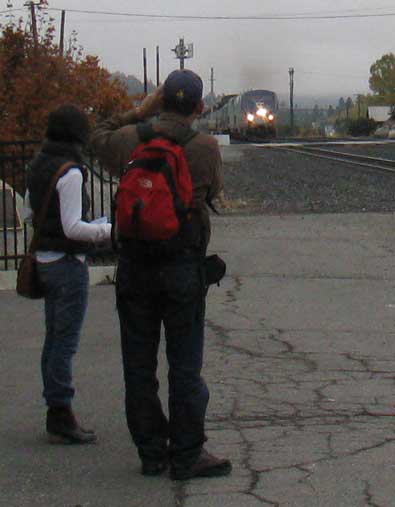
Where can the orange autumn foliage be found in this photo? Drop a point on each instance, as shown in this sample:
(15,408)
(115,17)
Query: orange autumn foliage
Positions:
(35,79)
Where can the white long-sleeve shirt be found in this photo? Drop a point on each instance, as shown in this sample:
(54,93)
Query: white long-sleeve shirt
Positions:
(69,188)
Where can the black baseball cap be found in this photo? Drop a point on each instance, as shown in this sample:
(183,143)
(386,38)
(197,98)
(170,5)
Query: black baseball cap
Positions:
(182,90)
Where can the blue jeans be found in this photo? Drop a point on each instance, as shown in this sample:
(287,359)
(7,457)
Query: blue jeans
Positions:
(66,285)
(147,296)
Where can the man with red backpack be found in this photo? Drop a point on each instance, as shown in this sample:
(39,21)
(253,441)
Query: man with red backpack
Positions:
(169,175)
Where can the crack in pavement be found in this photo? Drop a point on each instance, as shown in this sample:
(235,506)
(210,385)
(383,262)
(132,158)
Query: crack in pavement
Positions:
(277,391)
(369,496)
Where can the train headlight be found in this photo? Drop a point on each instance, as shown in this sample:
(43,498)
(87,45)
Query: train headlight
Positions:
(250,117)
(271,117)
(262,112)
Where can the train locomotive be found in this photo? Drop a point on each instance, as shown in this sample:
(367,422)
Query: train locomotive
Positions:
(252,113)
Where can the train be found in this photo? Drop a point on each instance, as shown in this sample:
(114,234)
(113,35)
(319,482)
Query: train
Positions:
(252,113)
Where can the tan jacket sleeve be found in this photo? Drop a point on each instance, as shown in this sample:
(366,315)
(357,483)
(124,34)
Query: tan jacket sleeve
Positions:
(114,140)
(205,165)
(217,183)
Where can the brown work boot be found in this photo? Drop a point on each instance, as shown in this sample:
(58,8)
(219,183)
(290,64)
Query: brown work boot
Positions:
(63,428)
(205,466)
(154,467)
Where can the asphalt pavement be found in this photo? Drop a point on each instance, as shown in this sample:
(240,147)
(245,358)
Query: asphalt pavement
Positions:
(300,362)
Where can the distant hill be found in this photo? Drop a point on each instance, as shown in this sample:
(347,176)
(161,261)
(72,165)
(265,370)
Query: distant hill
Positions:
(133,85)
(307,101)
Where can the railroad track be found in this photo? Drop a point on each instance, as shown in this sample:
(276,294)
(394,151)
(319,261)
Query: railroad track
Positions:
(371,163)
(311,140)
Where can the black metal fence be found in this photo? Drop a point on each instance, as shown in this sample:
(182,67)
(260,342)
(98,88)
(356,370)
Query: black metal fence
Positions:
(15,234)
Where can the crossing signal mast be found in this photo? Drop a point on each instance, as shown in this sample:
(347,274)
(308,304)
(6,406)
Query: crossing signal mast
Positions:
(183,52)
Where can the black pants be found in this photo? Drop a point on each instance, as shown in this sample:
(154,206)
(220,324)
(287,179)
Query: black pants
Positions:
(149,294)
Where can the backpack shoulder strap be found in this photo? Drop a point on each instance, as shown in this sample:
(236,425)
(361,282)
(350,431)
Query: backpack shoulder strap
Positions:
(188,137)
(146,132)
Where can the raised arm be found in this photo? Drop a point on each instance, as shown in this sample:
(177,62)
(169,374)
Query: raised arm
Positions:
(115,138)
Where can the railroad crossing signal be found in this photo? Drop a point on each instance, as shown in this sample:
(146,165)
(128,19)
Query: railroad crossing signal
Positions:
(183,52)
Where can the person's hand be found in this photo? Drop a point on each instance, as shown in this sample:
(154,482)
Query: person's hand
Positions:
(151,105)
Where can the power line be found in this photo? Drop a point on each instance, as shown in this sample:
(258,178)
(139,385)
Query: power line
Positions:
(344,11)
(293,17)
(229,18)
(11,10)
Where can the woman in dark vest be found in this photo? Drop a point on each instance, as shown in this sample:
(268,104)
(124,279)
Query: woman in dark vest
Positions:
(65,238)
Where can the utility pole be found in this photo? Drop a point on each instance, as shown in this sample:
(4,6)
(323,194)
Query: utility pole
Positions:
(157,67)
(291,97)
(212,94)
(61,41)
(10,15)
(212,81)
(183,52)
(359,96)
(32,6)
(145,70)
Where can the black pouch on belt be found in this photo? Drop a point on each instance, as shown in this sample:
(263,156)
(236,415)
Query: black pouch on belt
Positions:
(214,269)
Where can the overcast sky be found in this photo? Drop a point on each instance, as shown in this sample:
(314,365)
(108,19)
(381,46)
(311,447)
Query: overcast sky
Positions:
(330,56)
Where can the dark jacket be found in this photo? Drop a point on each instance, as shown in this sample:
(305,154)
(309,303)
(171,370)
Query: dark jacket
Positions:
(51,157)
(115,139)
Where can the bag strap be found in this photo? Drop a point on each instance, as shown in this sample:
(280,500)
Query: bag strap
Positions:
(44,208)
(146,132)
(188,137)
(210,204)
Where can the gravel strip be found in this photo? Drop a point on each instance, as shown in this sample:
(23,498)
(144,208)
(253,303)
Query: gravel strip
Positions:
(262,180)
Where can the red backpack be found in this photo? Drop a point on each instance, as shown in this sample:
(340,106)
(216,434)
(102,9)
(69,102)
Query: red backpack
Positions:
(154,196)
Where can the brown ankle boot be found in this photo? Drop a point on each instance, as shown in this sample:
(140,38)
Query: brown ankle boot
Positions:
(206,465)
(63,428)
